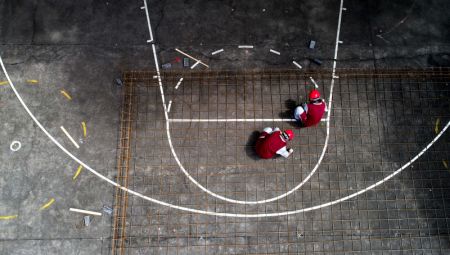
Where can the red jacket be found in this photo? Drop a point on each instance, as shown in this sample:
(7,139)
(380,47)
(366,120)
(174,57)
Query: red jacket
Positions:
(314,114)
(267,145)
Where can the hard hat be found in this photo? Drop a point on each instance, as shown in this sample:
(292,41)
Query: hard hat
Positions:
(314,94)
(288,134)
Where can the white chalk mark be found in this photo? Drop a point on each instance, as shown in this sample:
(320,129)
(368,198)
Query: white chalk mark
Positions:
(314,82)
(170,105)
(297,64)
(245,46)
(191,57)
(179,83)
(275,52)
(70,137)
(148,22)
(85,211)
(195,64)
(344,9)
(15,146)
(232,120)
(217,52)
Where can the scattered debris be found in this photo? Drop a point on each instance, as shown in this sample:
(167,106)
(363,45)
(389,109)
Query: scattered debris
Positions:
(317,61)
(436,126)
(186,62)
(275,52)
(297,64)
(87,220)
(119,82)
(70,137)
(80,167)
(179,83)
(176,60)
(3,83)
(170,105)
(8,217)
(195,64)
(217,52)
(245,46)
(15,146)
(444,162)
(108,210)
(48,204)
(64,93)
(85,211)
(32,81)
(312,44)
(83,125)
(314,82)
(166,66)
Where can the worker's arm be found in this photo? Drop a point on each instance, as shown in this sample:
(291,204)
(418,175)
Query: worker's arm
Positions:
(285,152)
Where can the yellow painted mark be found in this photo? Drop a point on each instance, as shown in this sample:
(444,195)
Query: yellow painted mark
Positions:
(436,127)
(445,164)
(66,94)
(32,81)
(8,217)
(3,83)
(48,204)
(83,124)
(78,172)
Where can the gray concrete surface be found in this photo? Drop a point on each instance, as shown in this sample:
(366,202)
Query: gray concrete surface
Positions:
(82,46)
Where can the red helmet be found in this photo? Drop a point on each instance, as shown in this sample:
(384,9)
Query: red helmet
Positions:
(314,94)
(288,134)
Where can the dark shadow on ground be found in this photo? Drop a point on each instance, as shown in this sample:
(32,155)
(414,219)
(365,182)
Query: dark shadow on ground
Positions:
(250,145)
(289,113)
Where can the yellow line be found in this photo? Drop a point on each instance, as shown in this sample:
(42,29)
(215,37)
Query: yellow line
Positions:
(77,173)
(445,164)
(436,127)
(66,94)
(32,81)
(83,124)
(3,83)
(8,217)
(47,204)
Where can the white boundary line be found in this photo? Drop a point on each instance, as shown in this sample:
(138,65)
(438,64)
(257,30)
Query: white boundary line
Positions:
(148,22)
(187,209)
(70,137)
(232,120)
(238,215)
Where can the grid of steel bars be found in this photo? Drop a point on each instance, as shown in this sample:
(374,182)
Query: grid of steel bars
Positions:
(379,120)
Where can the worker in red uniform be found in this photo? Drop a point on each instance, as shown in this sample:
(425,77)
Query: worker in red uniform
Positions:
(273,142)
(310,114)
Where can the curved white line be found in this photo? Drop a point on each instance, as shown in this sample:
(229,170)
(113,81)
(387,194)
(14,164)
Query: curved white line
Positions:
(238,215)
(313,171)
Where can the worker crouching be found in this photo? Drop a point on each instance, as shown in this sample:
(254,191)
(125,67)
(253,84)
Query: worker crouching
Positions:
(310,114)
(273,142)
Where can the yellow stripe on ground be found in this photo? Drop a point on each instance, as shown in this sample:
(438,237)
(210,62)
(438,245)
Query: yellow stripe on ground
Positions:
(32,81)
(47,205)
(78,172)
(3,83)
(66,94)
(444,162)
(83,124)
(436,127)
(8,217)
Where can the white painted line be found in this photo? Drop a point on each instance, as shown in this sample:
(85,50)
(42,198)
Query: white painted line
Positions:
(195,64)
(297,64)
(314,82)
(336,77)
(324,119)
(217,52)
(142,7)
(191,57)
(245,46)
(179,83)
(148,21)
(275,52)
(232,120)
(192,210)
(170,105)
(15,146)
(70,137)
(340,42)
(344,9)
(85,212)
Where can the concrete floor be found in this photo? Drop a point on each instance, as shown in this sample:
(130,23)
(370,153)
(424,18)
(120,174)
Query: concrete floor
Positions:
(82,46)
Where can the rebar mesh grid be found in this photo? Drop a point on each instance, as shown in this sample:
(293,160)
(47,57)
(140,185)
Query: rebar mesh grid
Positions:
(379,121)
